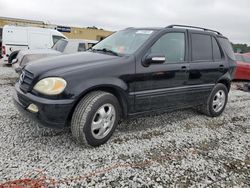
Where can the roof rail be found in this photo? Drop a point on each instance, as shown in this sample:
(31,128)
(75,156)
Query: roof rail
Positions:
(194,27)
(129,28)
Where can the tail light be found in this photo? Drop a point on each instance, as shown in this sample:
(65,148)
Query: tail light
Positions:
(3,50)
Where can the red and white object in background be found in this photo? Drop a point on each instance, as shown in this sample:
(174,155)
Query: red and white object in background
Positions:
(243,67)
(3,50)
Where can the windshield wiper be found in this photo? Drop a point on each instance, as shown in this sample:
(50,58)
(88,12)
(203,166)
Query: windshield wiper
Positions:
(105,50)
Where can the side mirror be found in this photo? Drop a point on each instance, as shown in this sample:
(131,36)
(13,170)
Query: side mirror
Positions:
(154,59)
(14,61)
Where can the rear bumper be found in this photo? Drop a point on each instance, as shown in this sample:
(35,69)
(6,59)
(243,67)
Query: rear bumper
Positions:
(52,113)
(5,62)
(17,68)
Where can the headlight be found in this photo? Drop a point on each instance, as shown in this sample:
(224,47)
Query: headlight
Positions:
(51,86)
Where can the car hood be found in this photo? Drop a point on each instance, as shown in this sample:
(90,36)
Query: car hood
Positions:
(65,63)
(38,51)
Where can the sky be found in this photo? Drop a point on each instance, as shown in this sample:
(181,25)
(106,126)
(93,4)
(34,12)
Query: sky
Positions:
(230,17)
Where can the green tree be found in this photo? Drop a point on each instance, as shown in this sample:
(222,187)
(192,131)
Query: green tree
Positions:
(241,48)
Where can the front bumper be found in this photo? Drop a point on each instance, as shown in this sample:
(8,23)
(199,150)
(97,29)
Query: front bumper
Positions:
(52,113)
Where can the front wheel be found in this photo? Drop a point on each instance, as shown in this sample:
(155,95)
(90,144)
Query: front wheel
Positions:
(95,118)
(216,101)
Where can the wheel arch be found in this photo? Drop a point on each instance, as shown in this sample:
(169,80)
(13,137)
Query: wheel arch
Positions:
(225,82)
(118,92)
(12,56)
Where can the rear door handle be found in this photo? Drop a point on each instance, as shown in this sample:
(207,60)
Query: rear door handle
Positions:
(221,67)
(183,67)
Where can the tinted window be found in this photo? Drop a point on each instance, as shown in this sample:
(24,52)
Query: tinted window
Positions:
(227,46)
(172,45)
(81,47)
(201,47)
(56,38)
(60,45)
(216,50)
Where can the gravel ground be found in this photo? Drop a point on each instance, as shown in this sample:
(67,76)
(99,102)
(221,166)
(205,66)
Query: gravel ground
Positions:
(178,149)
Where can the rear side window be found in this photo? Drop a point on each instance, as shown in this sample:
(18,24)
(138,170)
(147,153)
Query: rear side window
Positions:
(201,47)
(81,47)
(216,50)
(227,47)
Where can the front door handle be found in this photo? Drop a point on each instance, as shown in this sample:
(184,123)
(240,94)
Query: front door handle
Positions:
(184,68)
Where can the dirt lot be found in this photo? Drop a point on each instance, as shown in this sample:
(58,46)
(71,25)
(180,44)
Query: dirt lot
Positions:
(178,149)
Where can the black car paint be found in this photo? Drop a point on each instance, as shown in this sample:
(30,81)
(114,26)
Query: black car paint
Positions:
(140,89)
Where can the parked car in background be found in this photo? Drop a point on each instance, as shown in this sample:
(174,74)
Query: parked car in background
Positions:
(63,46)
(247,54)
(243,67)
(15,38)
(133,72)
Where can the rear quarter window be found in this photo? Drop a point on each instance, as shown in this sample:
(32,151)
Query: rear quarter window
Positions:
(227,47)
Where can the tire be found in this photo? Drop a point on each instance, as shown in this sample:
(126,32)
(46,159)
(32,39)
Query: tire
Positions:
(12,56)
(210,108)
(91,111)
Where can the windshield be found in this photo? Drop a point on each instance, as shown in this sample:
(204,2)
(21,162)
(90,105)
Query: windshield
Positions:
(124,42)
(60,45)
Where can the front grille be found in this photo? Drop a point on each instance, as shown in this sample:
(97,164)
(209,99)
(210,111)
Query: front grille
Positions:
(25,81)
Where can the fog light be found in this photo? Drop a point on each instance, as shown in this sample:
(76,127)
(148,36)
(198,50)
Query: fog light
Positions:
(33,108)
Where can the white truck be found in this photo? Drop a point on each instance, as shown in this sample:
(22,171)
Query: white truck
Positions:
(15,38)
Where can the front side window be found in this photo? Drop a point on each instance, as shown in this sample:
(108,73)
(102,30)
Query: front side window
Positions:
(172,46)
(60,45)
(124,42)
(201,47)
(57,38)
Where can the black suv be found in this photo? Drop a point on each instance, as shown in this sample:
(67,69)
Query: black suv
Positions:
(136,71)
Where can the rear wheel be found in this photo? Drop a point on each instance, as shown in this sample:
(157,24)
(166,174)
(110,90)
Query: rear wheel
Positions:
(95,118)
(216,101)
